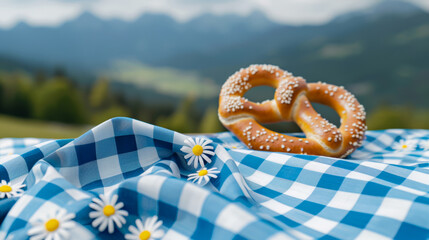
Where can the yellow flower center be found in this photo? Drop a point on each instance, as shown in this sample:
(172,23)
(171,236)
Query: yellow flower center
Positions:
(5,188)
(52,225)
(202,172)
(197,150)
(109,210)
(404,146)
(145,235)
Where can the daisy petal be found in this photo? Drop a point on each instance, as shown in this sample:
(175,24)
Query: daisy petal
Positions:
(39,237)
(152,222)
(196,161)
(207,141)
(139,224)
(49,237)
(97,201)
(209,152)
(191,160)
(120,215)
(36,230)
(95,207)
(111,226)
(119,205)
(134,230)
(157,224)
(188,155)
(99,221)
(114,199)
(158,233)
(191,140)
(208,148)
(131,236)
(191,178)
(68,217)
(146,223)
(104,199)
(61,213)
(62,234)
(117,221)
(186,149)
(207,158)
(96,214)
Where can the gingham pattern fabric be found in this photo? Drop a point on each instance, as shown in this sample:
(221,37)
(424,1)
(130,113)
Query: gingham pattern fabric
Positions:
(381,191)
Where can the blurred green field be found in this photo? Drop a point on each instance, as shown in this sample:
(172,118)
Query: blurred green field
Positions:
(18,127)
(163,80)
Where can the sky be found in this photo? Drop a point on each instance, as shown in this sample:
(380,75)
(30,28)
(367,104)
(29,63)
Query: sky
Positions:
(297,12)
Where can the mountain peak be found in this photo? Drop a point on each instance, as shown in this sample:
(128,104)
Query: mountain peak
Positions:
(394,7)
(258,14)
(21,25)
(380,9)
(87,16)
(85,19)
(256,20)
(151,18)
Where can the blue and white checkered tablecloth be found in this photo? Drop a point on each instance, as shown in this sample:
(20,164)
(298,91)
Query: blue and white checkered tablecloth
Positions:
(127,179)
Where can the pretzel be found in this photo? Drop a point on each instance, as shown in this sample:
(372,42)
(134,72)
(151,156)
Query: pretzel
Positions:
(291,103)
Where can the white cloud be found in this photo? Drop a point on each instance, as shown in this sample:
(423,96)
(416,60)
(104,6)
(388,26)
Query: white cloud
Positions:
(309,11)
(423,3)
(181,10)
(37,12)
(54,12)
(287,11)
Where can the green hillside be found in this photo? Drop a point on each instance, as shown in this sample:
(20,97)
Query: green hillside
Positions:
(165,81)
(17,127)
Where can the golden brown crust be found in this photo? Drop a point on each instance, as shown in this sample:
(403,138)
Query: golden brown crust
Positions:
(291,103)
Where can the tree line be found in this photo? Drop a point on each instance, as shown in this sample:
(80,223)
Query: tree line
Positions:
(57,98)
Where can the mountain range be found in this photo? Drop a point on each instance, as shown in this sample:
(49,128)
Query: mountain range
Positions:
(379,53)
(90,42)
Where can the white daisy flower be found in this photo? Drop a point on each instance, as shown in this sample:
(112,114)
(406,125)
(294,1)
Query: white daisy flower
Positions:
(424,144)
(197,150)
(8,190)
(146,231)
(107,212)
(203,176)
(54,226)
(404,145)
